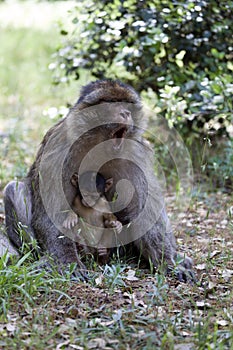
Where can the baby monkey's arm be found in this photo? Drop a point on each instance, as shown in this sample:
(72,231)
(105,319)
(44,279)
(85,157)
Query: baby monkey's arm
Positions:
(72,216)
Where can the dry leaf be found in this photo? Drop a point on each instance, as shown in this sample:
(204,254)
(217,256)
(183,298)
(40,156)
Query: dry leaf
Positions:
(97,343)
(186,334)
(73,346)
(59,346)
(184,346)
(226,274)
(222,323)
(214,253)
(131,275)
(203,240)
(11,327)
(211,286)
(99,280)
(203,304)
(63,328)
(200,266)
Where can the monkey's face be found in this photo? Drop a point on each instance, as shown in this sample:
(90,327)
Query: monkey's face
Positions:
(89,199)
(120,125)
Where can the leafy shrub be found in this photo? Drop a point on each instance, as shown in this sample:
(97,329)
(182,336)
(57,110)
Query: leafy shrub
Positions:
(182,51)
(220,167)
(177,54)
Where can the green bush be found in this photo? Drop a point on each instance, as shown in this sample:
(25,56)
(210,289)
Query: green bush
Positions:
(181,51)
(177,54)
(220,166)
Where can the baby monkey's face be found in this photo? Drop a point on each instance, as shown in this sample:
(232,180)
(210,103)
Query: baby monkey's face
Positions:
(90,198)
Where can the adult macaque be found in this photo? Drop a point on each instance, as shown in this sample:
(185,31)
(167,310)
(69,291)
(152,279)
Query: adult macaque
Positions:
(90,204)
(102,132)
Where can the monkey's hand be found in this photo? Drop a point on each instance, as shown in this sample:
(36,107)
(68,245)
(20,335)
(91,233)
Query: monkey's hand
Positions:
(71,220)
(115,224)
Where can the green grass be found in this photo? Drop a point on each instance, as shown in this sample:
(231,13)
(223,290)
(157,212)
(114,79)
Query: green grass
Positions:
(26,93)
(121,306)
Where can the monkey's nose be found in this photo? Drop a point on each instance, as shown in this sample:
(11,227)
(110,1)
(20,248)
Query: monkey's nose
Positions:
(125,114)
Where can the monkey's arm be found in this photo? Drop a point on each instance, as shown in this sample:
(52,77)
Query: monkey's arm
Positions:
(78,209)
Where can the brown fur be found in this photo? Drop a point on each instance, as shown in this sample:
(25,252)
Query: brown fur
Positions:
(95,239)
(94,222)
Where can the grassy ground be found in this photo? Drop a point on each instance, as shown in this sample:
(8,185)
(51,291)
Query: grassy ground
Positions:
(122,306)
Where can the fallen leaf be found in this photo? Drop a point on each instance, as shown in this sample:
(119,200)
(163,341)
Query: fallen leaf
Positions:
(59,346)
(226,274)
(184,346)
(97,343)
(73,346)
(11,327)
(224,222)
(203,305)
(222,323)
(63,328)
(117,315)
(200,266)
(203,240)
(211,286)
(131,275)
(214,253)
(99,280)
(186,334)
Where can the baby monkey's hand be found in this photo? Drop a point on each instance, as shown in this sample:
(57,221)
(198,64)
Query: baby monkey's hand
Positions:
(116,225)
(71,220)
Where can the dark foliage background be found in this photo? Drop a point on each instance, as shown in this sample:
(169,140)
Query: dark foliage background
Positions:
(178,54)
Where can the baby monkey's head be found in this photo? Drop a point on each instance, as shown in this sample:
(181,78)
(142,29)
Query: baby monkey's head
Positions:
(91,186)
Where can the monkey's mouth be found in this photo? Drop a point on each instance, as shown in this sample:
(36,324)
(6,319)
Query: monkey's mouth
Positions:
(118,136)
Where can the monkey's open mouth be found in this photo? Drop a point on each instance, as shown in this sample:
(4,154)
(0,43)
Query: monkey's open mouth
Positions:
(118,136)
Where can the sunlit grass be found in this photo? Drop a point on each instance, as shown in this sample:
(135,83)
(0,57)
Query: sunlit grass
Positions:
(27,44)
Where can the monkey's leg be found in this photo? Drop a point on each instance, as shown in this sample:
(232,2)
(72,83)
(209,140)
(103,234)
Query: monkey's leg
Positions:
(61,248)
(103,255)
(153,247)
(17,201)
(64,251)
(158,245)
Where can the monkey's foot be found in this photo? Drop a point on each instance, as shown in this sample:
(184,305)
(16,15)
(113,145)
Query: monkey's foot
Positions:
(183,270)
(80,274)
(76,269)
(185,275)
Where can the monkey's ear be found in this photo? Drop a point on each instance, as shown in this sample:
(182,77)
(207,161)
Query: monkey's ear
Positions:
(74,180)
(108,184)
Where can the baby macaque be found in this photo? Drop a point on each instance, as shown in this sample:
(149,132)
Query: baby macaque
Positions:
(91,205)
